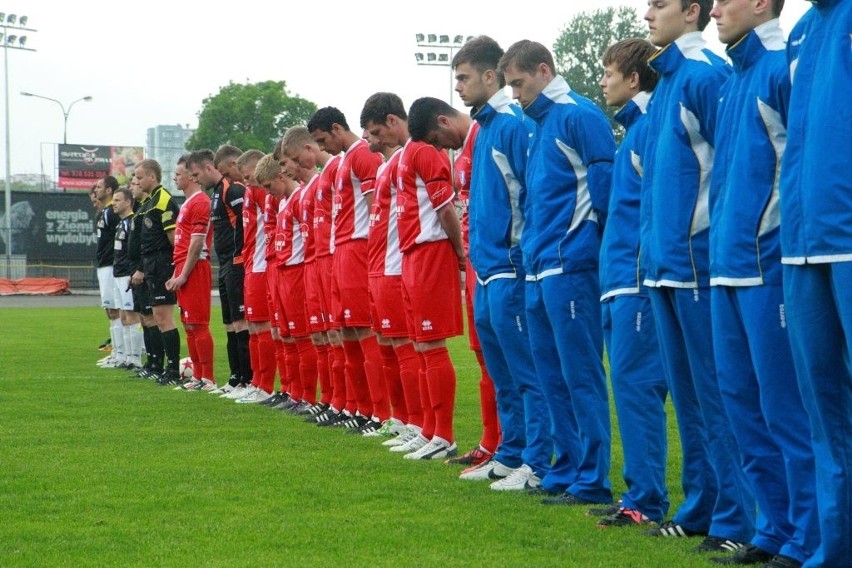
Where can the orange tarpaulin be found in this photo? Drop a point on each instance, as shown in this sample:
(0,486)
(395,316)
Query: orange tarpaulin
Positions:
(35,286)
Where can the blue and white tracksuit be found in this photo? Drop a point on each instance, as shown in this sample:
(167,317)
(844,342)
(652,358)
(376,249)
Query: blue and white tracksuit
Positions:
(677,165)
(568,178)
(816,248)
(638,382)
(496,224)
(754,363)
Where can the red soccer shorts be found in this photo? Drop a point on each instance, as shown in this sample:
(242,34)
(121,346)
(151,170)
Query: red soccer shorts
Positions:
(272,292)
(313,293)
(194,296)
(387,306)
(350,299)
(256,297)
(293,316)
(432,291)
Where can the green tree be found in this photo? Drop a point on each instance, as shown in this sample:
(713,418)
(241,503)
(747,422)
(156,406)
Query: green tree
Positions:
(253,115)
(580,46)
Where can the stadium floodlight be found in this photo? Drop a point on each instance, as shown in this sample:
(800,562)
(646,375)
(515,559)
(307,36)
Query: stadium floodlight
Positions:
(10,41)
(420,38)
(431,56)
(458,39)
(445,39)
(443,58)
(418,56)
(433,38)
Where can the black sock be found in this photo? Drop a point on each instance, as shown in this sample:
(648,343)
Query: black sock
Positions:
(244,356)
(146,339)
(157,348)
(171,344)
(233,358)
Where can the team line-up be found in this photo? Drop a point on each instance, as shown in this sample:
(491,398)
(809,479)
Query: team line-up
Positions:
(710,252)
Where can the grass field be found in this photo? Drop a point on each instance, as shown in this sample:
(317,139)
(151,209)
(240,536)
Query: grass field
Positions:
(100,469)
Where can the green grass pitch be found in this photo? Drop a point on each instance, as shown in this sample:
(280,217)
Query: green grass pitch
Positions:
(98,469)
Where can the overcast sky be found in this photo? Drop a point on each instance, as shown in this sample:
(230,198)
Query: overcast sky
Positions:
(153,62)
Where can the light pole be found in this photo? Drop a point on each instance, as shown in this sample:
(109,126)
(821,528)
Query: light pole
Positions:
(441,54)
(11,27)
(442,49)
(65,113)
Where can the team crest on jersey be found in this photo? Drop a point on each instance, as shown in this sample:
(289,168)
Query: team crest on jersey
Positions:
(347,314)
(148,222)
(314,320)
(462,177)
(291,325)
(426,325)
(386,323)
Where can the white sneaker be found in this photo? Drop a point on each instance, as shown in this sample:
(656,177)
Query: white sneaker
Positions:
(518,480)
(437,449)
(109,363)
(489,471)
(207,385)
(408,433)
(415,443)
(223,390)
(390,427)
(258,395)
(240,392)
(188,385)
(103,360)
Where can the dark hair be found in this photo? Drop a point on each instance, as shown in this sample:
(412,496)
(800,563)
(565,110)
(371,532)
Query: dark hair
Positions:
(631,56)
(125,192)
(379,105)
(183,160)
(777,6)
(325,118)
(482,53)
(111,183)
(199,158)
(423,116)
(152,167)
(526,56)
(226,152)
(703,15)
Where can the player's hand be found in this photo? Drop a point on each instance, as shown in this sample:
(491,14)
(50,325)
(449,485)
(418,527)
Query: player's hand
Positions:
(175,283)
(137,278)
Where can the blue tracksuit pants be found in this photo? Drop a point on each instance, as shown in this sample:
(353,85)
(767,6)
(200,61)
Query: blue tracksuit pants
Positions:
(717,500)
(501,323)
(564,318)
(639,389)
(818,303)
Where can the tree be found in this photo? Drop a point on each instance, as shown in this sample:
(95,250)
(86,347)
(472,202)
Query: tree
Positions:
(254,115)
(579,48)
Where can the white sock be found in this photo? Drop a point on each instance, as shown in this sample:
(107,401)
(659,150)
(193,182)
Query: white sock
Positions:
(137,343)
(116,333)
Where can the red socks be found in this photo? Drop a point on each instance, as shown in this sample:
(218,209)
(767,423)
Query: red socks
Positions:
(441,377)
(488,406)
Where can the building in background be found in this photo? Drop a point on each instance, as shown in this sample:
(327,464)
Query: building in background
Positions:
(166,143)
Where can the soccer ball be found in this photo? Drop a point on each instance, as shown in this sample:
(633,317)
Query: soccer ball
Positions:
(185,368)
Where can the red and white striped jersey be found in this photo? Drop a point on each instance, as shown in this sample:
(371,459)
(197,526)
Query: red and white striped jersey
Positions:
(306,218)
(356,177)
(254,239)
(423,179)
(193,219)
(323,229)
(383,254)
(289,246)
(462,167)
(270,222)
